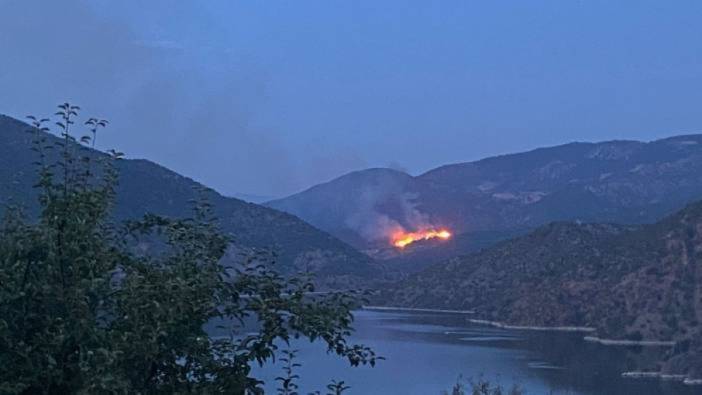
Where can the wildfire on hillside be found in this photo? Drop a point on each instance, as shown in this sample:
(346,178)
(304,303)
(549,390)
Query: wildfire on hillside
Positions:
(401,239)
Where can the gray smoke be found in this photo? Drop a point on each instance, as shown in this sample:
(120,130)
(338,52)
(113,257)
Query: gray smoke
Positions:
(385,208)
(173,100)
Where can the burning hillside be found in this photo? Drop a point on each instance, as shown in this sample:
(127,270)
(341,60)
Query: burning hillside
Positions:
(401,239)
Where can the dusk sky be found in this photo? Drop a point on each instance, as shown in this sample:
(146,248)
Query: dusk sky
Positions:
(271,97)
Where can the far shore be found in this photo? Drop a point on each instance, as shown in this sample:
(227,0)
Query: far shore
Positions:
(625,342)
(502,325)
(416,309)
(662,376)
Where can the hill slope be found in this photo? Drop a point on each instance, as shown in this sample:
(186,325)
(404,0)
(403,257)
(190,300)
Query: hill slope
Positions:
(614,181)
(637,283)
(147,187)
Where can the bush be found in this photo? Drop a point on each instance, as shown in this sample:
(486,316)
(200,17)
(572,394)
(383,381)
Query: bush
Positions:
(483,387)
(81,311)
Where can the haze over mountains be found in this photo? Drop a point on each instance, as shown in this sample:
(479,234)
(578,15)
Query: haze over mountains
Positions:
(615,181)
(145,186)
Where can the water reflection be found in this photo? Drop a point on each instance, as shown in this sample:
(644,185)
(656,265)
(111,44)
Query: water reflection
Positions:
(426,353)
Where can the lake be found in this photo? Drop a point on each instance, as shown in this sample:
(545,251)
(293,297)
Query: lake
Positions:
(427,353)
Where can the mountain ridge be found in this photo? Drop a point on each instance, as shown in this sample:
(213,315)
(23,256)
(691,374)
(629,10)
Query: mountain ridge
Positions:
(622,181)
(145,186)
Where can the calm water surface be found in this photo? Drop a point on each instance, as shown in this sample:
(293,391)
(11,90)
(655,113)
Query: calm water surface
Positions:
(426,353)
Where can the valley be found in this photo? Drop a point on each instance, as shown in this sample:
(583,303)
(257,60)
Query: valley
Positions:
(350,198)
(574,236)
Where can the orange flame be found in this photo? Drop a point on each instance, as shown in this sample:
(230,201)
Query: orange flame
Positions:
(402,239)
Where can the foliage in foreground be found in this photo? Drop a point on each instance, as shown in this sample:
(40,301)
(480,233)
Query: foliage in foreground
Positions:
(87,306)
(287,385)
(484,387)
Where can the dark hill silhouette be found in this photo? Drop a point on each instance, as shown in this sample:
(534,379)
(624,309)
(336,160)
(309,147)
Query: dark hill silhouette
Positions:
(145,186)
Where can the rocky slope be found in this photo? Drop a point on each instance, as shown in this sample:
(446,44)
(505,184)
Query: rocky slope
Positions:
(635,283)
(614,181)
(147,187)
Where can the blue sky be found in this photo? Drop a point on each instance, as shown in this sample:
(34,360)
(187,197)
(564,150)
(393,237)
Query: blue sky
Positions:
(270,97)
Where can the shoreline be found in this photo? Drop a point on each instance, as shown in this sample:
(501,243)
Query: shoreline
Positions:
(684,379)
(416,309)
(662,376)
(502,325)
(624,342)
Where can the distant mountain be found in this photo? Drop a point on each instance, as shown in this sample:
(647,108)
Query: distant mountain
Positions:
(252,198)
(147,187)
(629,282)
(614,181)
